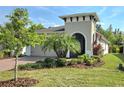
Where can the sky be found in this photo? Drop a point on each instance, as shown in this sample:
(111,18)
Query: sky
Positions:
(49,16)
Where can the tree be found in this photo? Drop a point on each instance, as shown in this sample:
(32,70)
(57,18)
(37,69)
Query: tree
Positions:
(61,44)
(110,28)
(100,30)
(108,34)
(18,33)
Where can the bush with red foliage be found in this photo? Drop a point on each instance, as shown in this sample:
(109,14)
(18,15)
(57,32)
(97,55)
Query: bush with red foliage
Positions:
(97,49)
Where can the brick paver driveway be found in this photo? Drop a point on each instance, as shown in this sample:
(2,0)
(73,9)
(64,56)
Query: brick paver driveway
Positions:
(8,63)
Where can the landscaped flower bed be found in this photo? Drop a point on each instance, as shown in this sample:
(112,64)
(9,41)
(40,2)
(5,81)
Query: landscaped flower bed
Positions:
(94,61)
(83,61)
(86,66)
(21,82)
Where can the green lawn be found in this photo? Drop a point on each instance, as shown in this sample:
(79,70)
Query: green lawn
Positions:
(107,75)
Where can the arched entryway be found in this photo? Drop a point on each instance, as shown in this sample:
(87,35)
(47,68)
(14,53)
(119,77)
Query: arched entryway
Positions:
(81,39)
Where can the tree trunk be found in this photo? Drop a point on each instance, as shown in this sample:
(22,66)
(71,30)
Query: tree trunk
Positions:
(16,68)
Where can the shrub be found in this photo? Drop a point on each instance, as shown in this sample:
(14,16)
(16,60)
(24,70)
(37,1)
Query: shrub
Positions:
(65,61)
(30,66)
(82,59)
(60,63)
(85,57)
(95,56)
(50,62)
(72,61)
(77,60)
(25,66)
(97,49)
(1,54)
(47,63)
(120,67)
(7,54)
(90,62)
(36,66)
(121,49)
(42,63)
(115,49)
(93,60)
(110,49)
(98,59)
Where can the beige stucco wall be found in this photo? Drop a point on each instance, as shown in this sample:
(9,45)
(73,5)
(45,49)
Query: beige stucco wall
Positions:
(104,46)
(86,28)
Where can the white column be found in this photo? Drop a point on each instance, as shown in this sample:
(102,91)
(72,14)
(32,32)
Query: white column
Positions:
(68,54)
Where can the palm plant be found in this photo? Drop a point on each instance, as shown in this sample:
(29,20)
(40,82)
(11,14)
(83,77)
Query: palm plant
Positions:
(61,43)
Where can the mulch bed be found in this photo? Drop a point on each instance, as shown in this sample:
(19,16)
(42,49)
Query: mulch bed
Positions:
(21,82)
(98,64)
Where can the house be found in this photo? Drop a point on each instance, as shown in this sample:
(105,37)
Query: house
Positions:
(82,26)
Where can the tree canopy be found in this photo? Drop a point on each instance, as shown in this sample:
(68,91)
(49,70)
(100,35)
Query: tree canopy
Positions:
(114,37)
(19,32)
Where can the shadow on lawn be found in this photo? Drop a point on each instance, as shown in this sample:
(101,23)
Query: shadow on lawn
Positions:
(120,56)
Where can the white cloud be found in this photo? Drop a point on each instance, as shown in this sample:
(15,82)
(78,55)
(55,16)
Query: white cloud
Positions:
(56,25)
(113,15)
(102,10)
(46,22)
(115,12)
(100,23)
(46,9)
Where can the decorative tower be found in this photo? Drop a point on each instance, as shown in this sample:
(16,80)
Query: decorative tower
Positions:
(83,27)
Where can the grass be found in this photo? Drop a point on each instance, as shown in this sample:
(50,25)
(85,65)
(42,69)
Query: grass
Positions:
(107,75)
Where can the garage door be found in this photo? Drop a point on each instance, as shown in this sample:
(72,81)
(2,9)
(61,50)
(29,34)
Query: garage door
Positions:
(36,51)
